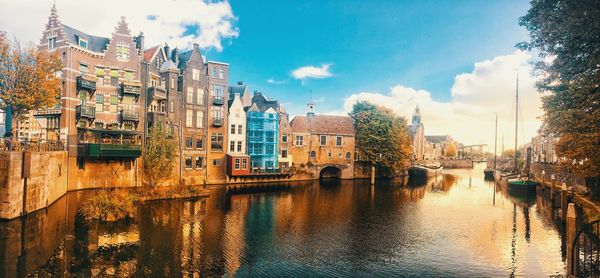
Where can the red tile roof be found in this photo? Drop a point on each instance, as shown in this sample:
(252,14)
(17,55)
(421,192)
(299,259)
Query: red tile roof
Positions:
(148,53)
(323,124)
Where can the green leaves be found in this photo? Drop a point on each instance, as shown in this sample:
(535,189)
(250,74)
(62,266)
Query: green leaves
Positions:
(158,156)
(381,136)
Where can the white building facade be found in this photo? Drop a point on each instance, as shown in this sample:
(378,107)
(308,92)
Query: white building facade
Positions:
(237,127)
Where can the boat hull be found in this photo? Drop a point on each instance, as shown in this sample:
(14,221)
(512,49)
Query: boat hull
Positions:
(522,185)
(422,171)
(488,174)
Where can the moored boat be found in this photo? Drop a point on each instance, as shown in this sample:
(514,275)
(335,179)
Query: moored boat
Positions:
(488,173)
(522,184)
(428,170)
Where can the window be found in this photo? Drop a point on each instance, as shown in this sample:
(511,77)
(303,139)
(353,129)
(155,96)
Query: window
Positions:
(199,143)
(113,104)
(240,129)
(244,163)
(232,129)
(188,162)
(214,72)
(284,138)
(52,43)
(122,51)
(189,96)
(323,140)
(83,43)
(200,96)
(83,68)
(114,77)
(189,118)
(348,155)
(232,146)
(237,164)
(216,141)
(172,82)
(129,75)
(339,155)
(196,74)
(329,154)
(200,119)
(198,162)
(218,91)
(216,162)
(239,146)
(172,106)
(338,141)
(313,154)
(99,103)
(299,140)
(98,125)
(188,142)
(221,74)
(217,113)
(284,153)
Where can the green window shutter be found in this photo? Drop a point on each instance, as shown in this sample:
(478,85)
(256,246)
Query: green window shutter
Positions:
(99,72)
(114,73)
(99,98)
(113,100)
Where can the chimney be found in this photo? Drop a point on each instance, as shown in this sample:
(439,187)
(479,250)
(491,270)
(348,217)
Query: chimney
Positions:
(167,51)
(174,56)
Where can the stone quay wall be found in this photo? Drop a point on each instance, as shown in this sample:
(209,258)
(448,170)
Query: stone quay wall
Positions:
(36,178)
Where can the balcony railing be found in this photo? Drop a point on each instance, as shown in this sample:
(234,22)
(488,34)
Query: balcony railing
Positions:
(100,150)
(218,101)
(130,115)
(84,111)
(86,83)
(218,122)
(157,92)
(47,112)
(131,88)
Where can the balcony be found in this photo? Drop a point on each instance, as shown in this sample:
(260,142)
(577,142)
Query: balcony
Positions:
(48,112)
(155,117)
(158,93)
(85,112)
(129,115)
(131,88)
(100,150)
(218,101)
(87,83)
(218,122)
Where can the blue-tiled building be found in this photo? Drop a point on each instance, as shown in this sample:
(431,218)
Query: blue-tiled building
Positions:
(263,134)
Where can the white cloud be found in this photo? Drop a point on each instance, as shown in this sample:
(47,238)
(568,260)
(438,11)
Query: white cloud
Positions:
(274,81)
(160,20)
(476,97)
(306,72)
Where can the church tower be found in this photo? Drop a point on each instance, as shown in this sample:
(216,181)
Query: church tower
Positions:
(416,118)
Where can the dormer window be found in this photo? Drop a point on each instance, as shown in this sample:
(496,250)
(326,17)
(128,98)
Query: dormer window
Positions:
(52,43)
(83,43)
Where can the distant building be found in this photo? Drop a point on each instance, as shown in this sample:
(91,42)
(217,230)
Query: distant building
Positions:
(437,145)
(417,135)
(544,148)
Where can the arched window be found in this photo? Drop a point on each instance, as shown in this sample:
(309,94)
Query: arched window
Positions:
(313,154)
(172,106)
(348,155)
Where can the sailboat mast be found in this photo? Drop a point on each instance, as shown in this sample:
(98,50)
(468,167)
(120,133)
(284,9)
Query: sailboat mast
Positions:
(496,141)
(516,122)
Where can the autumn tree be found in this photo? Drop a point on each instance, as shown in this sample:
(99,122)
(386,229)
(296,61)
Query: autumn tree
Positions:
(158,156)
(27,79)
(566,35)
(450,150)
(381,136)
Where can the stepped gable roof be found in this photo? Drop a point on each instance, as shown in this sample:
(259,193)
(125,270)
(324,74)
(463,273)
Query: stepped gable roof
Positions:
(95,43)
(323,124)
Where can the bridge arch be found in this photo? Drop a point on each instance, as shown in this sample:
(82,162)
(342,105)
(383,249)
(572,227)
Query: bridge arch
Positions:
(330,172)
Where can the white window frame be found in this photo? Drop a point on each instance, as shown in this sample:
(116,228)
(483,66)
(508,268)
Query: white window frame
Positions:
(321,140)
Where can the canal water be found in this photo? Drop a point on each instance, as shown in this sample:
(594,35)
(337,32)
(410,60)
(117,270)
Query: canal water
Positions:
(455,225)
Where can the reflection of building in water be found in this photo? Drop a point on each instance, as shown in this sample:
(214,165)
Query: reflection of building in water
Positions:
(234,238)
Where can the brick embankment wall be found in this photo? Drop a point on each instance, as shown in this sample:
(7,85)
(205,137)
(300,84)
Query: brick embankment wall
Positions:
(45,182)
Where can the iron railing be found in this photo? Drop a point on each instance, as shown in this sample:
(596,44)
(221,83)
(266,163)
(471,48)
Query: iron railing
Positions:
(19,146)
(586,251)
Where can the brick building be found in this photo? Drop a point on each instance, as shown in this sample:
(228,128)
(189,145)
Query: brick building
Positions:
(325,142)
(100,107)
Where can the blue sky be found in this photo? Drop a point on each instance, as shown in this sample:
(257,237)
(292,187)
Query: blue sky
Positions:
(371,45)
(455,59)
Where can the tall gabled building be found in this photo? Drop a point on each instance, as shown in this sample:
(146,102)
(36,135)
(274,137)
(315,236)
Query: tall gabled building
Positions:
(99,114)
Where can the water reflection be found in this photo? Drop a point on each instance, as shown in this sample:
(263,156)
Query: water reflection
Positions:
(455,224)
